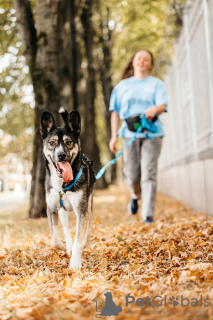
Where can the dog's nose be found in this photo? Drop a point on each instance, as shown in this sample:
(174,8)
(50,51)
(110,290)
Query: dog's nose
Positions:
(62,156)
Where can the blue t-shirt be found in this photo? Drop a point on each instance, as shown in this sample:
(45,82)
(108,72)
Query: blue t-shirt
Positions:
(133,96)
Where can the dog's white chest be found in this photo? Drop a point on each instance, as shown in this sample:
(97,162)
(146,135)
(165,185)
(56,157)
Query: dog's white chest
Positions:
(56,181)
(72,199)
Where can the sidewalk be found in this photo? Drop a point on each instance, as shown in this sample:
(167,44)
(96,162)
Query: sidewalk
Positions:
(11,198)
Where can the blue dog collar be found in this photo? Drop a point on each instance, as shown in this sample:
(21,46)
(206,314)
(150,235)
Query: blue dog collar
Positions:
(61,193)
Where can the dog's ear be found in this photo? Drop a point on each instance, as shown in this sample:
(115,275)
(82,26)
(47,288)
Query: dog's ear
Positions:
(47,124)
(73,122)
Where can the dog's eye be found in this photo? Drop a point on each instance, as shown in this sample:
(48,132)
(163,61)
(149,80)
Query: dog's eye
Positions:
(52,143)
(69,143)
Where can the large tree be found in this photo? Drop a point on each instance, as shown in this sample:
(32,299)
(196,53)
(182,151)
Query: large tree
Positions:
(51,35)
(104,45)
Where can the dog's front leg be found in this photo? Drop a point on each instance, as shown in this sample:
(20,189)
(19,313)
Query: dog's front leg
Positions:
(53,223)
(80,240)
(63,215)
(83,213)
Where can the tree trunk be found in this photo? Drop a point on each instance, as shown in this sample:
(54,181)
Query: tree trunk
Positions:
(91,146)
(47,87)
(106,82)
(50,77)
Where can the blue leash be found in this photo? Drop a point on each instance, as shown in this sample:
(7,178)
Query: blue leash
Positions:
(145,124)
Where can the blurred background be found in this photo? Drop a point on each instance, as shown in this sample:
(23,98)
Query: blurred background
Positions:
(186,163)
(71,54)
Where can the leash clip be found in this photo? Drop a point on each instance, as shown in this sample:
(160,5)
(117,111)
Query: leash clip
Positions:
(61,194)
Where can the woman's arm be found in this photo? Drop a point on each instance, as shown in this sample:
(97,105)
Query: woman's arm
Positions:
(152,111)
(114,131)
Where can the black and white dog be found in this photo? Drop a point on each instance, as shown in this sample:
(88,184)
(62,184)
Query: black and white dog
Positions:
(70,182)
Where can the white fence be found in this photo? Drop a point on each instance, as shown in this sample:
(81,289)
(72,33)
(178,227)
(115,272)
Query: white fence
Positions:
(189,122)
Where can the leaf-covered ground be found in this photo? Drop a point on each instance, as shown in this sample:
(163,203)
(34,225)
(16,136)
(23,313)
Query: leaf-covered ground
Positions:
(172,257)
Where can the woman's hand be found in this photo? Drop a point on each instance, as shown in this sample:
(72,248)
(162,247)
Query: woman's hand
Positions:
(112,144)
(114,131)
(150,113)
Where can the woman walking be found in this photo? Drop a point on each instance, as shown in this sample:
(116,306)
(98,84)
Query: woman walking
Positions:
(139,93)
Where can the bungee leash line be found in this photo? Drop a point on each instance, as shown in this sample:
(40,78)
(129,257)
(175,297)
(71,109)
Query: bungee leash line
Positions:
(145,125)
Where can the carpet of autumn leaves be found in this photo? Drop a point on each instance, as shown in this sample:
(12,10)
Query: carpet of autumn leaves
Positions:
(171,257)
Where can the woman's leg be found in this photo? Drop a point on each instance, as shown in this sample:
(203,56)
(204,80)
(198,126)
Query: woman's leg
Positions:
(131,167)
(150,152)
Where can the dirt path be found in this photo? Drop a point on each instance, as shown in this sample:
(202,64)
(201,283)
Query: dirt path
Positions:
(171,259)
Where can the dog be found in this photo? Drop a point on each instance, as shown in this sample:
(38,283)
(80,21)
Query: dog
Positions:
(69,183)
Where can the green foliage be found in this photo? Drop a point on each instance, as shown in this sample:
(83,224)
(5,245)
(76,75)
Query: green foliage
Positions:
(8,29)
(126,26)
(143,24)
(16,112)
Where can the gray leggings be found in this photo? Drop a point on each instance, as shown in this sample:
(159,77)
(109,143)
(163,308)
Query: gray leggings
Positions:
(140,170)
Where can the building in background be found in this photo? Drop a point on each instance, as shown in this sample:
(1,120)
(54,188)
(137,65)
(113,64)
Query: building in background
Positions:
(186,161)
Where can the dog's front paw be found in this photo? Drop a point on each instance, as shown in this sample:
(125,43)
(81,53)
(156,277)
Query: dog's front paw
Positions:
(58,245)
(75,263)
(69,247)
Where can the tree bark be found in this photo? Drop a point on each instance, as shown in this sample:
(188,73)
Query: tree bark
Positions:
(48,78)
(106,82)
(91,146)
(27,31)
(47,89)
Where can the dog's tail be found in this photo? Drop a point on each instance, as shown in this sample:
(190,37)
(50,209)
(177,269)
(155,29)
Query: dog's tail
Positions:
(64,113)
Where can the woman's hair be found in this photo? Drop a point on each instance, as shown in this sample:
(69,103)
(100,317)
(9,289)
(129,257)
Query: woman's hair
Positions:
(129,70)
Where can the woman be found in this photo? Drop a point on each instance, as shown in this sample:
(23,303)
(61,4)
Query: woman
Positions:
(139,93)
